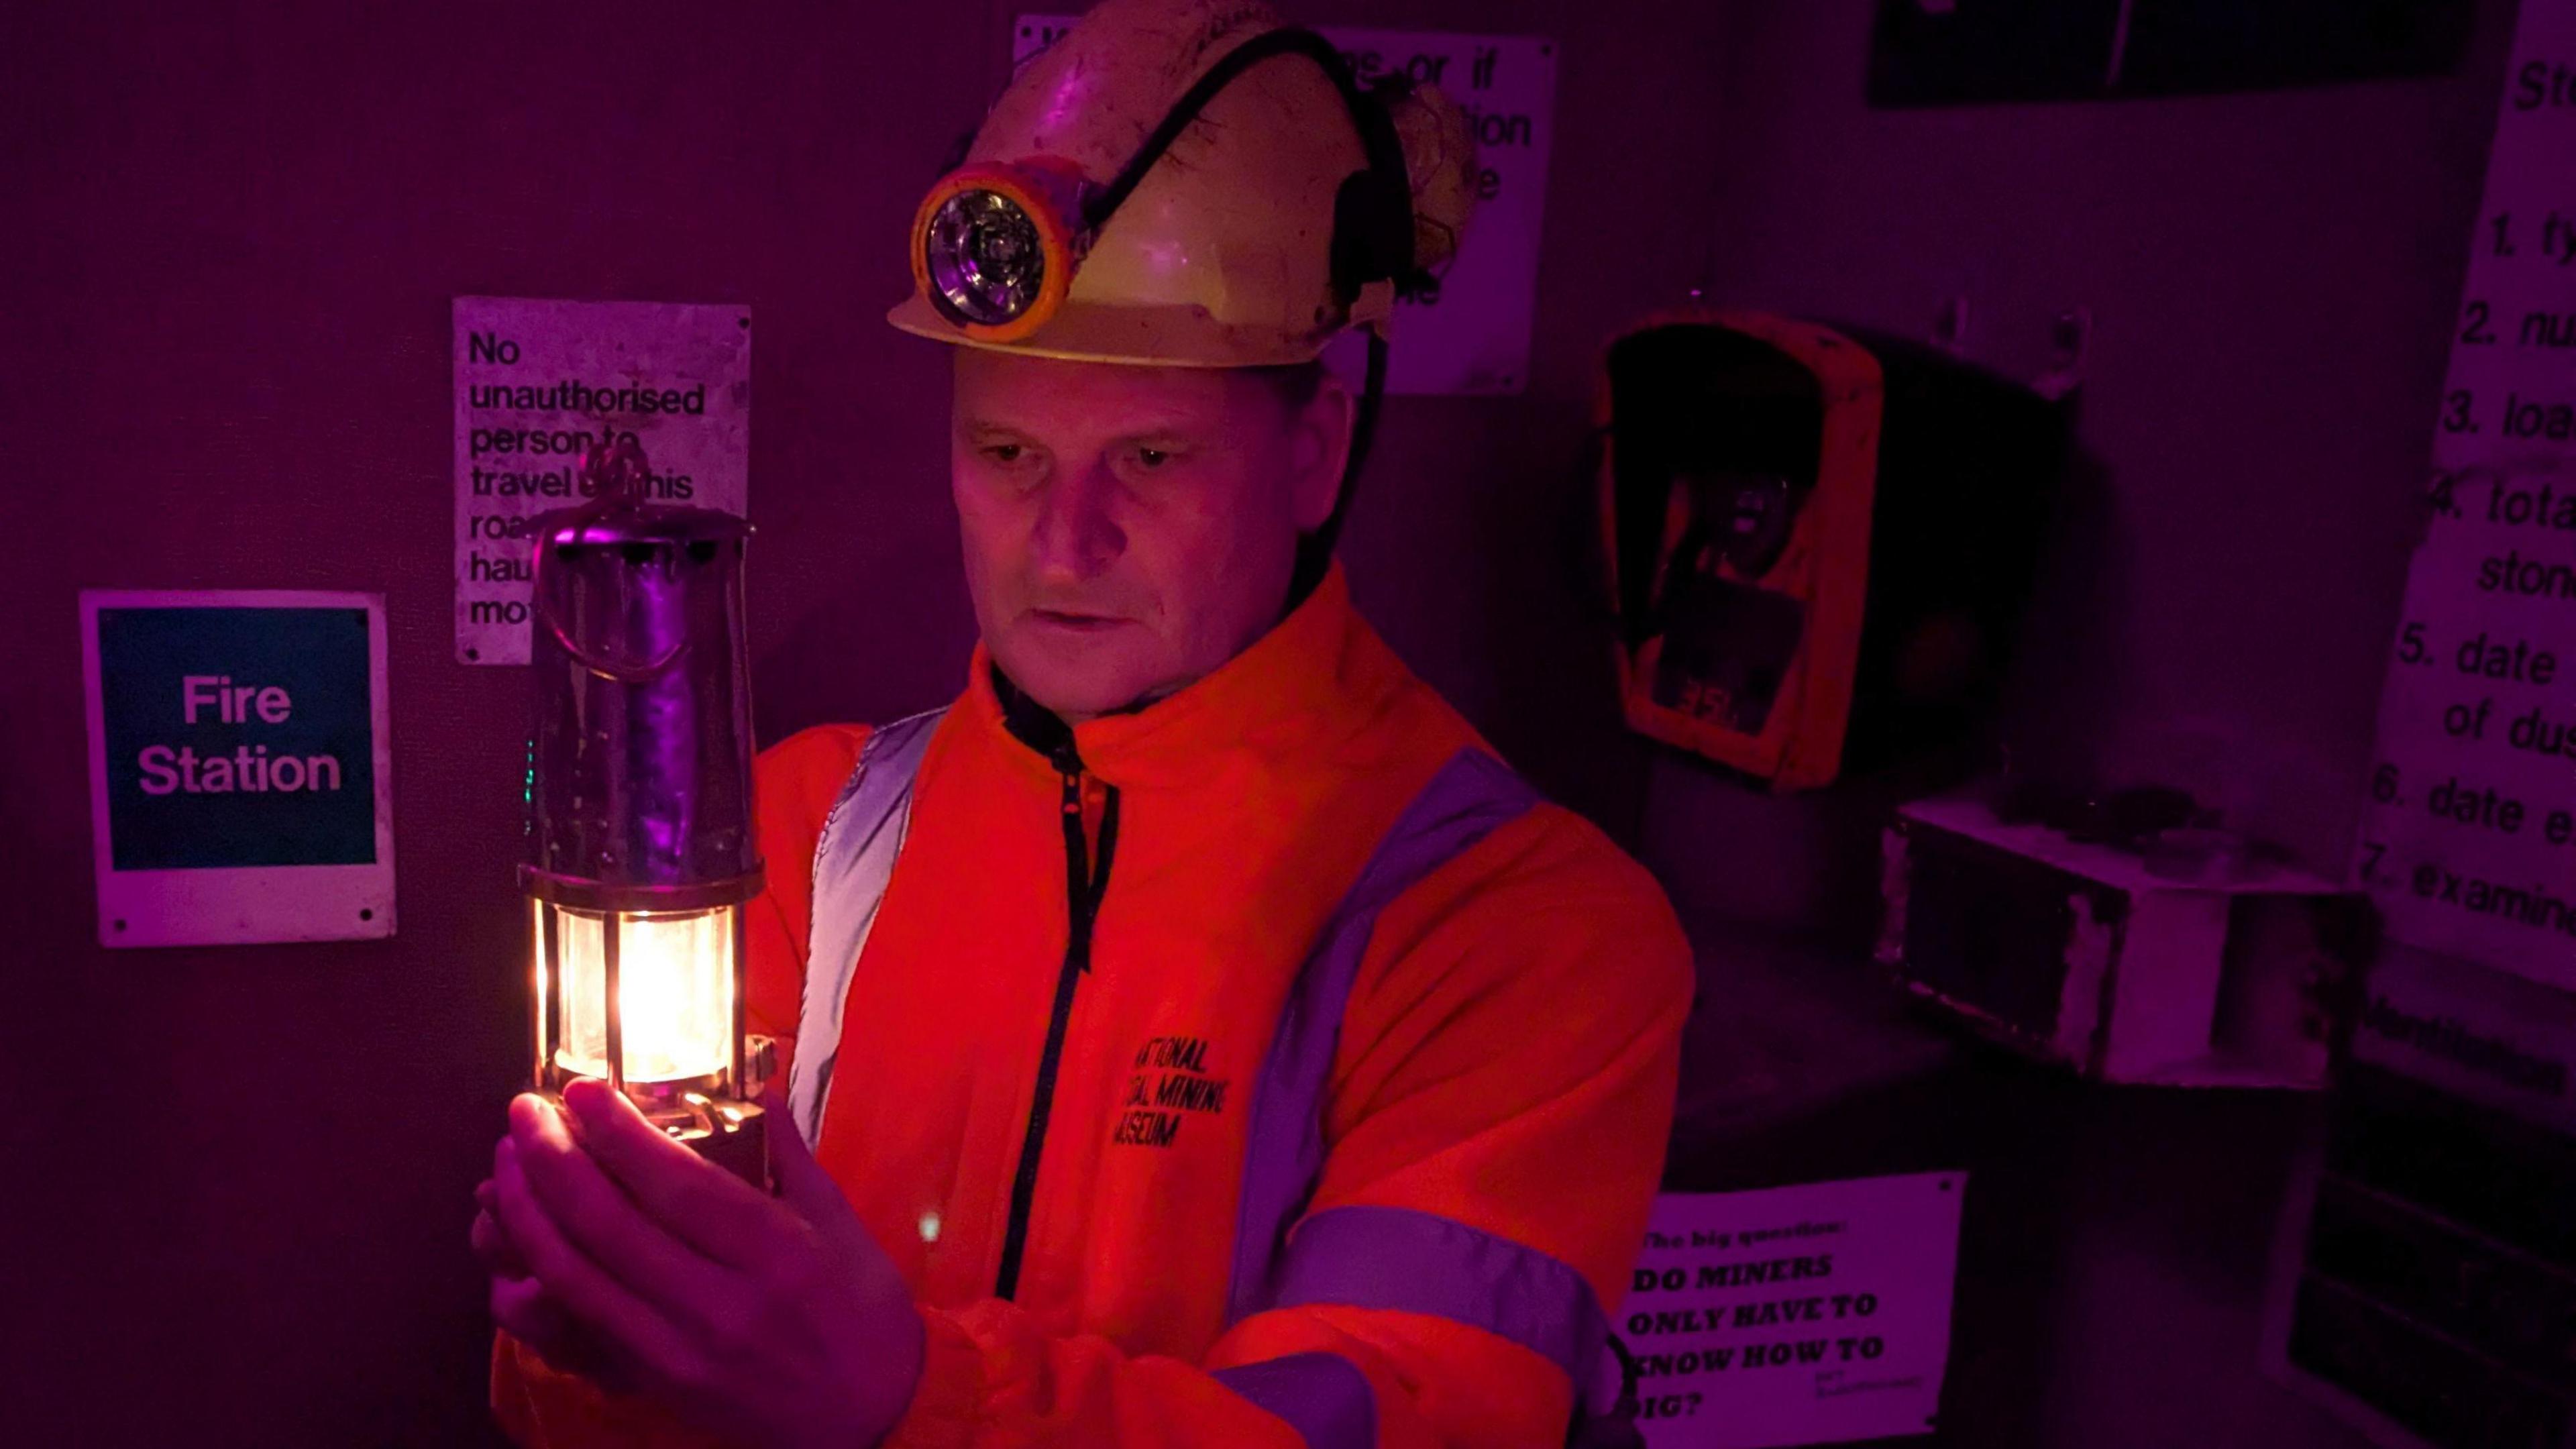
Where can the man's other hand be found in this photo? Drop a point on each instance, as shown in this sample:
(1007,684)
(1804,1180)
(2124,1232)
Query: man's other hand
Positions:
(519,1303)
(773,1321)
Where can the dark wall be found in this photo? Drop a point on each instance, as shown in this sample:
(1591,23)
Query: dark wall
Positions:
(2272,279)
(237,1206)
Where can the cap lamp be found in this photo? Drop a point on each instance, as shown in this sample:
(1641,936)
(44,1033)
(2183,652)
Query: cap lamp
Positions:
(995,245)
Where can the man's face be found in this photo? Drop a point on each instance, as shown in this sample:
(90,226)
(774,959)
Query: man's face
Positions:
(1130,529)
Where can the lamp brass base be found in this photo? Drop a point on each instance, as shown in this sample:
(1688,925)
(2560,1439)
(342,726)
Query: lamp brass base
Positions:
(740,1147)
(732,1135)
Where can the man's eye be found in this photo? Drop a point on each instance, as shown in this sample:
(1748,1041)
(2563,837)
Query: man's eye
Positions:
(1004,452)
(1152,457)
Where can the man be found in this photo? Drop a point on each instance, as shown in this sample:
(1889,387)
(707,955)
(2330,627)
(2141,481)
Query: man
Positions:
(1202,1039)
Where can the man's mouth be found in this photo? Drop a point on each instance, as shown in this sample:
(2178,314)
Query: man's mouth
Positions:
(1079,622)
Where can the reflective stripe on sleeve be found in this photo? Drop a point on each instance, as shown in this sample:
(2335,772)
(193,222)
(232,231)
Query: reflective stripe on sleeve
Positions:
(1323,1396)
(1417,1262)
(1472,795)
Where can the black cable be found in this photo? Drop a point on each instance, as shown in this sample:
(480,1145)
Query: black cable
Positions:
(1385,153)
(1391,261)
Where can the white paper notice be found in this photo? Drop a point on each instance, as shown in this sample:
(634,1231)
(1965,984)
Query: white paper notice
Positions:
(1473,335)
(1795,1315)
(536,382)
(2469,843)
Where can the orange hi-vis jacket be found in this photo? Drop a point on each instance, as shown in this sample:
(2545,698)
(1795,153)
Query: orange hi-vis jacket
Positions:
(1265,1067)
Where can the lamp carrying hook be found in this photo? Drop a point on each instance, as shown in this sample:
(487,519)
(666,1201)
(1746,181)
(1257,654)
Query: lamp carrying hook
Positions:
(615,475)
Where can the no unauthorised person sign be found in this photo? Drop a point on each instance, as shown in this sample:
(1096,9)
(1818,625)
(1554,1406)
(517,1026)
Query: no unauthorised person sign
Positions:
(239,769)
(538,383)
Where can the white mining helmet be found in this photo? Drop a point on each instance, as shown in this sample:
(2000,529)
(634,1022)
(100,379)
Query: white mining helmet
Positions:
(1189,183)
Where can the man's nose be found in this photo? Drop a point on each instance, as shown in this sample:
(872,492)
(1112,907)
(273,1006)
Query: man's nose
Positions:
(1076,532)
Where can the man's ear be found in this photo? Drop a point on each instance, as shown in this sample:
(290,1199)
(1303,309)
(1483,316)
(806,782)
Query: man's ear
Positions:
(1320,449)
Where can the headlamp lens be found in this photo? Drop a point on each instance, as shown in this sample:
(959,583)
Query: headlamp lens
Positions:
(986,260)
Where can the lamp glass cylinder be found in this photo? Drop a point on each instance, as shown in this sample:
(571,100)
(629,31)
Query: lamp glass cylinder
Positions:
(675,990)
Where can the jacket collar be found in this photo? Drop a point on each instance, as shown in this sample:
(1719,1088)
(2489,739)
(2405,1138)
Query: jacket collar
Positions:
(1319,675)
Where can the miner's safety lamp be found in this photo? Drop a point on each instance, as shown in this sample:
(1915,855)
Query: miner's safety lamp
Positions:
(641,848)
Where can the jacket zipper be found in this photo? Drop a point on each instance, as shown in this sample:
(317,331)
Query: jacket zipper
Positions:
(1086,881)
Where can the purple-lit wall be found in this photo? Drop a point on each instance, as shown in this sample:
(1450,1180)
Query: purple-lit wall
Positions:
(239,1215)
(2273,282)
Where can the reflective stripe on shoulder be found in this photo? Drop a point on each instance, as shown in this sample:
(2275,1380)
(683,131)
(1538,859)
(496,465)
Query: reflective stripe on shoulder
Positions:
(1470,797)
(1323,1396)
(1405,1261)
(853,862)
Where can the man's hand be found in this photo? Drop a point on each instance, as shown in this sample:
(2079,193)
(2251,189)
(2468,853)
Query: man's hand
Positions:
(777,1322)
(519,1303)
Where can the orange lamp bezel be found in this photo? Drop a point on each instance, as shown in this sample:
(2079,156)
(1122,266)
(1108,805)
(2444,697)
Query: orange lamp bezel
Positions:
(1045,196)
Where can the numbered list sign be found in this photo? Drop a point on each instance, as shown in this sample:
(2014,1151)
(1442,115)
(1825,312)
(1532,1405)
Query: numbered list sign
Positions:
(2469,839)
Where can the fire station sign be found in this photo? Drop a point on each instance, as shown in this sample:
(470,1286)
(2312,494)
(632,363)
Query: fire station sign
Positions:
(240,781)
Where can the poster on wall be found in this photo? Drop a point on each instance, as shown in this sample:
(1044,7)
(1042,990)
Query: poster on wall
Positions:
(2468,842)
(537,382)
(1472,334)
(240,777)
(1815,1314)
